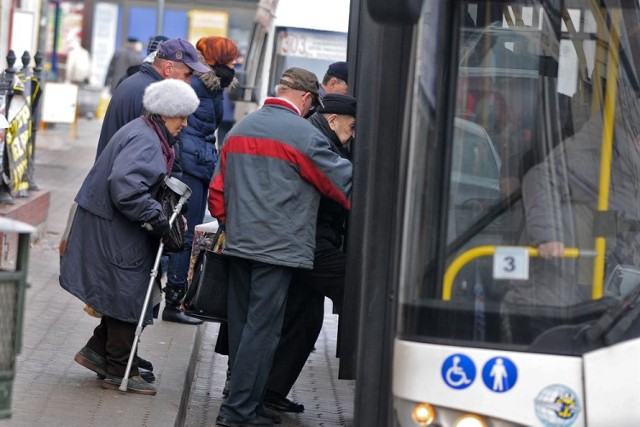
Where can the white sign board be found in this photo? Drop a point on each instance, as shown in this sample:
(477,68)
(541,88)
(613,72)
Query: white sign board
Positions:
(511,263)
(22,34)
(59,103)
(105,28)
(314,45)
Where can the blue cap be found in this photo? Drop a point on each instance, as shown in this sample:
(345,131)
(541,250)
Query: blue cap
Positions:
(179,50)
(339,70)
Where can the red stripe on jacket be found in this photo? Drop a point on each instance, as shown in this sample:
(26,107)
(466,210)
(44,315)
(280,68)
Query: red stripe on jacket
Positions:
(216,190)
(274,149)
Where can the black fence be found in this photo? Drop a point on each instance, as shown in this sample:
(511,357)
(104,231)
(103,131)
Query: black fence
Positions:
(20,95)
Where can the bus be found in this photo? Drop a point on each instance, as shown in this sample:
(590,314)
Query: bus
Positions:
(494,241)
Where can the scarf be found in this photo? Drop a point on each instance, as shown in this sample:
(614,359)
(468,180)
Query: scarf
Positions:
(165,141)
(224,73)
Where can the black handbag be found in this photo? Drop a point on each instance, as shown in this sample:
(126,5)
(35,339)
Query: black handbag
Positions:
(206,296)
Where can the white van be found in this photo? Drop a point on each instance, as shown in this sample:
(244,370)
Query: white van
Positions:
(309,34)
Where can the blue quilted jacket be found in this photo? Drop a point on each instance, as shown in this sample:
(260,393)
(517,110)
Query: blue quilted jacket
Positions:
(198,155)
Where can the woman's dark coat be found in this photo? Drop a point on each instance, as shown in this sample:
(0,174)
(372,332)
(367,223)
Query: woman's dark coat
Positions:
(109,256)
(198,155)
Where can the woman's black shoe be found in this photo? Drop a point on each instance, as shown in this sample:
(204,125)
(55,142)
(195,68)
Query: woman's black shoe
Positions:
(174,314)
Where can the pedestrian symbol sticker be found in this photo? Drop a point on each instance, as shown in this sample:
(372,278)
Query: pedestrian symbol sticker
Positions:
(458,371)
(499,374)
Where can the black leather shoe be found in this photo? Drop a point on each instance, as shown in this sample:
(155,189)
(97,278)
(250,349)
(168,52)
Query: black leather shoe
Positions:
(280,403)
(144,364)
(255,421)
(148,376)
(174,314)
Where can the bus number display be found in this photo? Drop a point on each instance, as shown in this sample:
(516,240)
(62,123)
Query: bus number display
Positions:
(511,263)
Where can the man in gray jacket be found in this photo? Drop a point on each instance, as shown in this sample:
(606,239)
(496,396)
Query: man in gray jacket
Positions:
(266,189)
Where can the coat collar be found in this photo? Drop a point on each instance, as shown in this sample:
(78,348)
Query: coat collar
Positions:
(283,102)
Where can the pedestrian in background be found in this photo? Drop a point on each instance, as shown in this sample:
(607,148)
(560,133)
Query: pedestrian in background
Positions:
(121,60)
(274,166)
(152,50)
(176,59)
(115,232)
(78,64)
(228,117)
(198,158)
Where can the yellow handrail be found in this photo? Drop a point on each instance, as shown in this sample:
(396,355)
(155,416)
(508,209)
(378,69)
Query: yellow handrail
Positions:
(607,148)
(473,253)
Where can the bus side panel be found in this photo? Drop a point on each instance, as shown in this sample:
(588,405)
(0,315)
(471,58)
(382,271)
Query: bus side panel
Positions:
(611,376)
(529,395)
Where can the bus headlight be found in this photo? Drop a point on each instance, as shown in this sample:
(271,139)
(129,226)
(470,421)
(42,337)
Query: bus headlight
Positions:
(423,414)
(470,420)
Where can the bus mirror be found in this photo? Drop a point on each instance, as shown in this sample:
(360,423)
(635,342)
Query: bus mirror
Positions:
(395,12)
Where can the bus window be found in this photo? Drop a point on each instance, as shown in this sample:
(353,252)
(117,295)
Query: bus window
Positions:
(529,167)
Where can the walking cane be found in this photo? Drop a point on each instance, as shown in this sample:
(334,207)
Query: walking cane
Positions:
(184,192)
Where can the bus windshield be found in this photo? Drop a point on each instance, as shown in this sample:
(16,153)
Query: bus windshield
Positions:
(535,232)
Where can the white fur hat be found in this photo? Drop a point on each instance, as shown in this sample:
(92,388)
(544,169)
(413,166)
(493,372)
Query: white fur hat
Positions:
(170,97)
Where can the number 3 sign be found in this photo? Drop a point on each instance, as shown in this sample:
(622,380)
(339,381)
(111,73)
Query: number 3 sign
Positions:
(511,263)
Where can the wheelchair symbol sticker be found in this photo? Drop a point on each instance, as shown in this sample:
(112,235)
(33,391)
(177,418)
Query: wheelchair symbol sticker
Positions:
(499,374)
(458,371)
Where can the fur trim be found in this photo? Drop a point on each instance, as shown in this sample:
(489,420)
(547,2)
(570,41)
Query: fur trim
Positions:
(210,80)
(170,97)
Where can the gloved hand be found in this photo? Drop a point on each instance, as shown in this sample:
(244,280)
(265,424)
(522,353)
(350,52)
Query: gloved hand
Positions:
(158,227)
(185,208)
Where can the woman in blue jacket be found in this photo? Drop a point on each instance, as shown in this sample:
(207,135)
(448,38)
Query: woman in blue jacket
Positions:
(198,156)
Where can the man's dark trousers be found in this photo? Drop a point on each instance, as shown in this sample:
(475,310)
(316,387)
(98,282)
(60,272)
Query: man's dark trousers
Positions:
(304,314)
(257,297)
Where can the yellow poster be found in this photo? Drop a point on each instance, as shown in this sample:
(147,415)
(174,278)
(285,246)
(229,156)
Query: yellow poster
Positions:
(204,23)
(18,147)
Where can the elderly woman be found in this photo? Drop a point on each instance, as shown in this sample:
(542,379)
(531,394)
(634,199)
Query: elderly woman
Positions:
(115,233)
(198,158)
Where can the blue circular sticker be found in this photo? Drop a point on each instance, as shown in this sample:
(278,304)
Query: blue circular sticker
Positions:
(499,374)
(458,371)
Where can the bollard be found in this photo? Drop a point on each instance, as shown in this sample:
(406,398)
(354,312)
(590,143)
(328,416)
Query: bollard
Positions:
(6,88)
(31,91)
(13,284)
(36,109)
